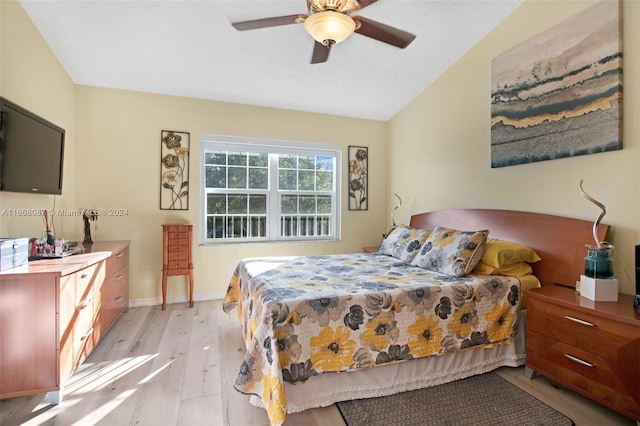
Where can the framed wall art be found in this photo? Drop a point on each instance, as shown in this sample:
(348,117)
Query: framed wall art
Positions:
(358,178)
(174,170)
(560,93)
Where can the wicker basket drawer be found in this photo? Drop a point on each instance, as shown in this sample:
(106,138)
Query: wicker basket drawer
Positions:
(179,264)
(178,235)
(180,244)
(178,255)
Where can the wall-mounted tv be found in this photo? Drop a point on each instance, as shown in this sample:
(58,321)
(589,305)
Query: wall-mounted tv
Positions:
(31,151)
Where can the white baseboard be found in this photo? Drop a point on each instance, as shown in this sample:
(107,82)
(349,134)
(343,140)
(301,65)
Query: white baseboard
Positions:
(152,301)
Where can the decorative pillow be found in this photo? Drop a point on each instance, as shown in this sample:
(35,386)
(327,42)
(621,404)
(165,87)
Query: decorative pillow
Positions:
(502,252)
(404,242)
(409,244)
(452,252)
(516,270)
(391,238)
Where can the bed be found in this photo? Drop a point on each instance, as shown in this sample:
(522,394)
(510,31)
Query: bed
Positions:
(422,315)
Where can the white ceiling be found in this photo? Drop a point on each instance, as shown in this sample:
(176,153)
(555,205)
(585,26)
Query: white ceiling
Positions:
(189,48)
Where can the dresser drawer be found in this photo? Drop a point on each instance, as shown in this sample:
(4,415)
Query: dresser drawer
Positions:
(115,297)
(86,279)
(78,307)
(602,379)
(117,260)
(609,339)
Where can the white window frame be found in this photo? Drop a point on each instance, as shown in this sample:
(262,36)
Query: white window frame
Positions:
(232,143)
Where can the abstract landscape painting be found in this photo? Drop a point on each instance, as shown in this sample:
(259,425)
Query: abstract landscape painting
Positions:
(560,93)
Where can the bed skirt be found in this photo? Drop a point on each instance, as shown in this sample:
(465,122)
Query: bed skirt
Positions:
(329,388)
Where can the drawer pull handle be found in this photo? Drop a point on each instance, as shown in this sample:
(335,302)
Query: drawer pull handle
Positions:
(579,321)
(84,303)
(119,277)
(579,361)
(119,254)
(87,334)
(84,276)
(119,299)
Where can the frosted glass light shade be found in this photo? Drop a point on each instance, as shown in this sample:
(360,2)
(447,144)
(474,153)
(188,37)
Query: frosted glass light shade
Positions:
(329,27)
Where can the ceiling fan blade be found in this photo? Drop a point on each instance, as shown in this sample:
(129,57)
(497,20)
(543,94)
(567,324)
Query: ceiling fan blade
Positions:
(382,32)
(320,53)
(269,22)
(361,5)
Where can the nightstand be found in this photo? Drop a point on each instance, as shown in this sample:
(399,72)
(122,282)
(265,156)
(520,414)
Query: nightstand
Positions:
(176,256)
(590,347)
(371,249)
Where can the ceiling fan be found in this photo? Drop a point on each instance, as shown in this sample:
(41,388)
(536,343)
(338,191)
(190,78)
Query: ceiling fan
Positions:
(329,22)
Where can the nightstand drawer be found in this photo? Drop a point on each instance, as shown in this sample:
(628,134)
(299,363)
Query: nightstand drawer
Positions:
(609,339)
(601,378)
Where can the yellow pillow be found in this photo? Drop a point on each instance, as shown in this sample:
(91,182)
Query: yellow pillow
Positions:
(527,282)
(499,253)
(516,270)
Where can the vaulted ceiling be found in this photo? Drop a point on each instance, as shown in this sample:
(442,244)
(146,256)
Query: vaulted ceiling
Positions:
(189,48)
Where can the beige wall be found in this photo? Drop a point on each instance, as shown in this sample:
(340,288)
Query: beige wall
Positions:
(118,166)
(116,162)
(32,77)
(439,145)
(437,148)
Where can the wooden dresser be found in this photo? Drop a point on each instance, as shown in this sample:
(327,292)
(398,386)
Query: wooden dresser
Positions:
(53,312)
(177,240)
(590,347)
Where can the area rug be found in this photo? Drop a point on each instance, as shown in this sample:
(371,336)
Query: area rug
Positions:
(486,399)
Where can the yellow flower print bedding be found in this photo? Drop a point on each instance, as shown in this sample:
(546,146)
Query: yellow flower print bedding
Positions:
(303,316)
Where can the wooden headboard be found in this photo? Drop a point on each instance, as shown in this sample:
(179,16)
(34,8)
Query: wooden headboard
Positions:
(560,241)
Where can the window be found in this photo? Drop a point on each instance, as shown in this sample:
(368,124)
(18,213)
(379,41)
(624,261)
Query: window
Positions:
(269,190)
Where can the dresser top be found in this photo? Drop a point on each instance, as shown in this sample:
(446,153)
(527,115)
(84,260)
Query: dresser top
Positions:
(622,310)
(93,253)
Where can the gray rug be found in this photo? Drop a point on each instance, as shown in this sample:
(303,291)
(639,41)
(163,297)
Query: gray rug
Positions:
(487,399)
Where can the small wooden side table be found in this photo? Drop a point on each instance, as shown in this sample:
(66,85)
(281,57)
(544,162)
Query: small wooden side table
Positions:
(176,256)
(371,249)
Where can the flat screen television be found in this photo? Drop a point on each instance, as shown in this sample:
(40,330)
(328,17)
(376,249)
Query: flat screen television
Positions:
(31,151)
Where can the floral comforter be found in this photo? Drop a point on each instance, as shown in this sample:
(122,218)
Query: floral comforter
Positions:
(302,316)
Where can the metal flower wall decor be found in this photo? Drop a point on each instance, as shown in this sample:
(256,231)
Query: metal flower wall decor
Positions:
(174,174)
(358,178)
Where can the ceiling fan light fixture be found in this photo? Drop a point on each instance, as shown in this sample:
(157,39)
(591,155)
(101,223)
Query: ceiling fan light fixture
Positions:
(329,27)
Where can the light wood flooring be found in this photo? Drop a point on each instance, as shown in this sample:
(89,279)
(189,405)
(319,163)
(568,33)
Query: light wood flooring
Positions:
(176,367)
